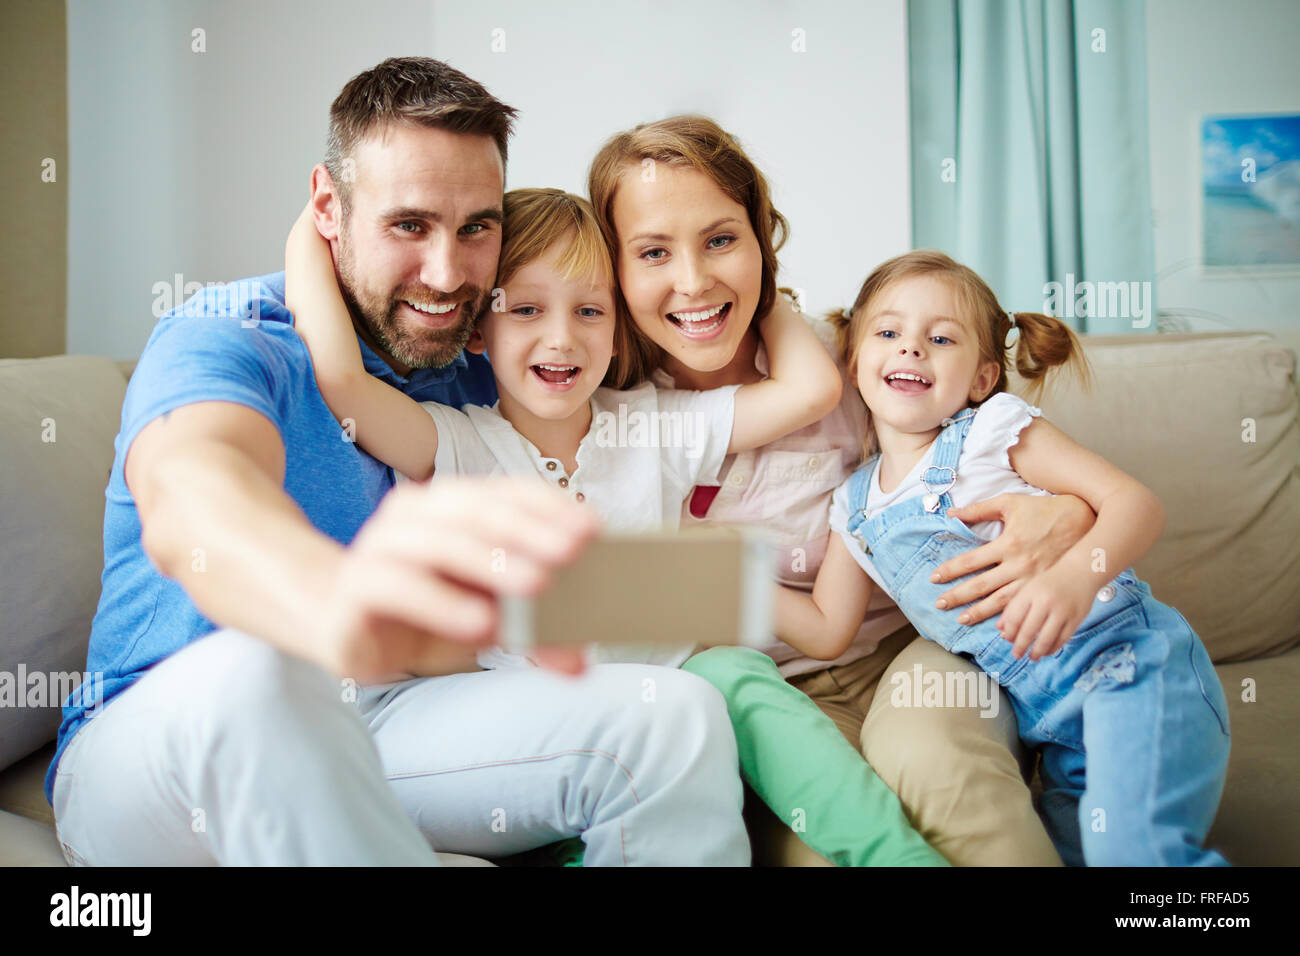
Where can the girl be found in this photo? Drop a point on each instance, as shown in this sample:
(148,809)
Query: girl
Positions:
(550,335)
(1111,686)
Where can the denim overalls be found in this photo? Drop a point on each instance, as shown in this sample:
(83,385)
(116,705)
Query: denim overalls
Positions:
(1129,717)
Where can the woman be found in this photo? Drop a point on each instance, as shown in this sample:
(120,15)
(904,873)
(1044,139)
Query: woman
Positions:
(694,235)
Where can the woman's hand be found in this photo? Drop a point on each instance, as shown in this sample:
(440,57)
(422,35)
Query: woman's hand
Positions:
(1037,531)
(1045,613)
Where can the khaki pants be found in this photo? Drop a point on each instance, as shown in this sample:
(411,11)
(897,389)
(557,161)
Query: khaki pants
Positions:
(960,776)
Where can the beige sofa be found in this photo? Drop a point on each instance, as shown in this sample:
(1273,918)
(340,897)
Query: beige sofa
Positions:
(1210,422)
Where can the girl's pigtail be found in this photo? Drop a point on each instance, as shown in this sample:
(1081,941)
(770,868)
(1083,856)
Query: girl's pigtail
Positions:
(842,323)
(1044,344)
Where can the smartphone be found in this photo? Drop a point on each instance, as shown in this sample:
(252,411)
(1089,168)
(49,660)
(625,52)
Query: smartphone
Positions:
(704,586)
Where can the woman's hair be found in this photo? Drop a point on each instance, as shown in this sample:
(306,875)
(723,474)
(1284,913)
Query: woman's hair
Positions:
(536,220)
(698,143)
(1043,342)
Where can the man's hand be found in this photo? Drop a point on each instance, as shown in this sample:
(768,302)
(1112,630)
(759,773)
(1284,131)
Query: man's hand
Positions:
(413,594)
(1037,530)
(416,590)
(1045,613)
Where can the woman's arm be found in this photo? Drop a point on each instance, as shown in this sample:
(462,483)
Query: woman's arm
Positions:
(803,384)
(822,625)
(1036,531)
(1130,519)
(387,424)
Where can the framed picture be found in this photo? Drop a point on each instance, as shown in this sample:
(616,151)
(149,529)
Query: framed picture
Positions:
(1250,194)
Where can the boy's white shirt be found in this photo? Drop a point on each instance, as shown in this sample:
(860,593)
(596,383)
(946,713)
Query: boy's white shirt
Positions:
(983,472)
(646,449)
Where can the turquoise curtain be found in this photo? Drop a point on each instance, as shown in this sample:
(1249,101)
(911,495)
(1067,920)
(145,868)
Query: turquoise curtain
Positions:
(1030,155)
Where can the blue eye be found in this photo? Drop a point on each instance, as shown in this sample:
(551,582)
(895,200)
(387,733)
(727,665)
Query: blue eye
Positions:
(587,312)
(400,225)
(944,337)
(647,255)
(527,311)
(727,240)
(887,332)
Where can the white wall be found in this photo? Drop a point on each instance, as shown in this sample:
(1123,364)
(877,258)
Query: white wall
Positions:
(828,127)
(1204,57)
(197,163)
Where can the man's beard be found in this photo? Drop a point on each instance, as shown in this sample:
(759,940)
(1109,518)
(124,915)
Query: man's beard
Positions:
(412,346)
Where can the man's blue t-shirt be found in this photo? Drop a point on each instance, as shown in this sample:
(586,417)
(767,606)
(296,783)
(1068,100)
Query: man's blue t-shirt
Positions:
(232,343)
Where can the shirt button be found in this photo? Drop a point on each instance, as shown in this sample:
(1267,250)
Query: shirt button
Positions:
(737,479)
(564,482)
(580,496)
(1106,594)
(550,466)
(812,462)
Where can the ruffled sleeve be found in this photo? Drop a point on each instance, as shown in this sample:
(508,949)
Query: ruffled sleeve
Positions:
(997,427)
(839,516)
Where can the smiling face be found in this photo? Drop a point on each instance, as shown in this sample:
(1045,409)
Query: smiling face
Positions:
(918,361)
(689,266)
(418,249)
(552,345)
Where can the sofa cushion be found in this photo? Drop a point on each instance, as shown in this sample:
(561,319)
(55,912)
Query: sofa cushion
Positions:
(1211,424)
(1258,823)
(25,842)
(22,787)
(58,418)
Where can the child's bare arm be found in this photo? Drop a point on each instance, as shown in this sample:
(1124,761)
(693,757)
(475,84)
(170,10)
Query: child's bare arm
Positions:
(387,424)
(822,625)
(803,385)
(1049,608)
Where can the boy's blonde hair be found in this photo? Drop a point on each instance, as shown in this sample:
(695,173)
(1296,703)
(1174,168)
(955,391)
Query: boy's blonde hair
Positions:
(536,220)
(693,142)
(1044,342)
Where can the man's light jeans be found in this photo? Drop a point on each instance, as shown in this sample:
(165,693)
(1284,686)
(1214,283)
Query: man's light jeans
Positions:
(232,752)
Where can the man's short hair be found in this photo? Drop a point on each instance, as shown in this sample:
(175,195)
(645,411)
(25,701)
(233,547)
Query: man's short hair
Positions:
(415,90)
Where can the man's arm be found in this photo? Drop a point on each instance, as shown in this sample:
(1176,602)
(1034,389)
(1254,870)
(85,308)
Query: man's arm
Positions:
(1037,531)
(414,591)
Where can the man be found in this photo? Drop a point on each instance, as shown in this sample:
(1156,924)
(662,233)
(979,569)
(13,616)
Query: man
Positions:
(287,642)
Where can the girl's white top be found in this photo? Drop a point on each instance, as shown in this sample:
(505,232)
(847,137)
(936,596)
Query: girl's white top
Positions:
(983,472)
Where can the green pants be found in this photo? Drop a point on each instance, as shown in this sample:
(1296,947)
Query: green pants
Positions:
(798,763)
